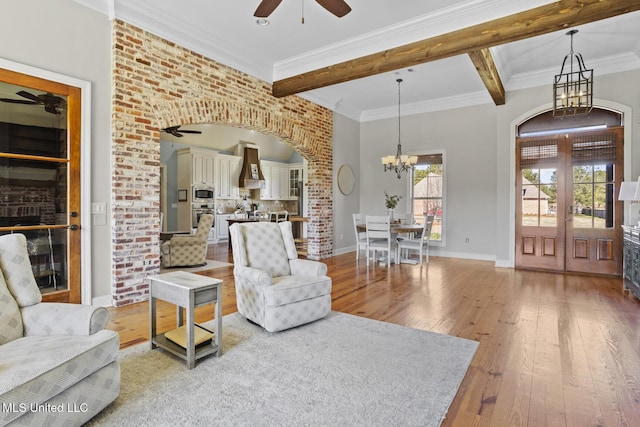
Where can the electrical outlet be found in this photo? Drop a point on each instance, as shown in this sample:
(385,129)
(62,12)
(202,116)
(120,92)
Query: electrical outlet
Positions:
(466,240)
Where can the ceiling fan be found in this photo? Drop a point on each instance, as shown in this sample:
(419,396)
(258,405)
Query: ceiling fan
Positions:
(338,7)
(175,131)
(52,103)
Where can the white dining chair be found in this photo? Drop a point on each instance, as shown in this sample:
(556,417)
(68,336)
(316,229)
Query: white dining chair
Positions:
(421,242)
(379,237)
(361,237)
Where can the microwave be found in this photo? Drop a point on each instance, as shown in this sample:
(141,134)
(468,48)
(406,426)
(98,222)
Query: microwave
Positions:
(203,194)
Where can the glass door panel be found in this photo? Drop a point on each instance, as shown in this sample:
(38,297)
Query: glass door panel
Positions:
(39,178)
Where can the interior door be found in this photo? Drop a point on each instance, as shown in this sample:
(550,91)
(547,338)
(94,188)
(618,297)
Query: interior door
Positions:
(40,178)
(568,218)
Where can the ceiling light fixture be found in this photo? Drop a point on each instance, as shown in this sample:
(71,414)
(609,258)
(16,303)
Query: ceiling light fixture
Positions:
(262,22)
(573,90)
(399,163)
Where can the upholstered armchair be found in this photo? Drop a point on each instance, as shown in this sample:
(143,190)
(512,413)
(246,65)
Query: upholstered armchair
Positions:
(184,250)
(274,288)
(51,354)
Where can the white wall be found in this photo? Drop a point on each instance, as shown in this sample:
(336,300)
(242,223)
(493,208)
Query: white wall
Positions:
(346,145)
(468,138)
(70,39)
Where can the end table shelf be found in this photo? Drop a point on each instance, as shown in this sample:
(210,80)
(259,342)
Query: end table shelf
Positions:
(186,290)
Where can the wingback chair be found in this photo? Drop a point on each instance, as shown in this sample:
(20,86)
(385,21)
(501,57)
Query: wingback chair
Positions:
(184,250)
(51,354)
(274,288)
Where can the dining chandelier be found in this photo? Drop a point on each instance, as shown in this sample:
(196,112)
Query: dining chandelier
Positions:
(573,90)
(400,162)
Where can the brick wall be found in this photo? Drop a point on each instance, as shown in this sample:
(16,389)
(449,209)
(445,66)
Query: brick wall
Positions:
(157,84)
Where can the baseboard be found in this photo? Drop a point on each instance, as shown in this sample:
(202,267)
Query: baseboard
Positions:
(103,301)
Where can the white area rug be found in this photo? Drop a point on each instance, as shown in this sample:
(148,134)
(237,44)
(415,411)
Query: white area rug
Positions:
(211,264)
(342,370)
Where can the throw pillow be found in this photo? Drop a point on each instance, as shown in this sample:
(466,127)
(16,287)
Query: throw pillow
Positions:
(16,267)
(10,319)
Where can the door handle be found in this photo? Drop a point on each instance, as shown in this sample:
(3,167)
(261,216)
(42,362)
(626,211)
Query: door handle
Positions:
(74,227)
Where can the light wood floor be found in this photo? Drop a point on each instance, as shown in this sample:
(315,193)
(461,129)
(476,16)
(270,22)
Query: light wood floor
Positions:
(555,349)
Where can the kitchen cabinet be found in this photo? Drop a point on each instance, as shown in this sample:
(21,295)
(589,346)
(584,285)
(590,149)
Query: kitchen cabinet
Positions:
(226,171)
(276,177)
(296,173)
(266,193)
(195,166)
(222,226)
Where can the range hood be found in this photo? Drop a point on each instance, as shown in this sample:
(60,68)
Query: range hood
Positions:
(251,174)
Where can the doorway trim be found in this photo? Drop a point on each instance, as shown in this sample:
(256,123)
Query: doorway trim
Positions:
(627,120)
(85,161)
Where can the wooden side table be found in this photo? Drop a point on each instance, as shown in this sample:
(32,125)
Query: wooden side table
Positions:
(186,290)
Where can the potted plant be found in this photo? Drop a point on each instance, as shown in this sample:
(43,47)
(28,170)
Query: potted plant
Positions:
(391,202)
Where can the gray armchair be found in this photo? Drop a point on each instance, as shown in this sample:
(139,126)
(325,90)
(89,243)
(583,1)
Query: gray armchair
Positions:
(51,354)
(185,250)
(274,288)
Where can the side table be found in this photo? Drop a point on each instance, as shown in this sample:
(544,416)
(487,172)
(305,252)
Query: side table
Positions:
(186,290)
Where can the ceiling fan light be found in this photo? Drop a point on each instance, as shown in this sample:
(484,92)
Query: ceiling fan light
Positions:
(263,22)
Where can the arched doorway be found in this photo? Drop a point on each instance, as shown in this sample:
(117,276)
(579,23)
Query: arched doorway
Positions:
(568,174)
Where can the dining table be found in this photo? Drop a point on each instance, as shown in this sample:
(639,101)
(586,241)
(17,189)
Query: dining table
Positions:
(398,228)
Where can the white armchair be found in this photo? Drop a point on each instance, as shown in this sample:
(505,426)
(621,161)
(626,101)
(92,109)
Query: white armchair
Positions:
(188,250)
(50,353)
(274,288)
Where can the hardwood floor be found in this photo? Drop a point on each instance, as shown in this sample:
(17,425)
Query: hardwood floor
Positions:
(555,349)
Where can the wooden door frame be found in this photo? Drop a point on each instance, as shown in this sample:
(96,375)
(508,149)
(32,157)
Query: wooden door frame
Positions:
(85,162)
(627,115)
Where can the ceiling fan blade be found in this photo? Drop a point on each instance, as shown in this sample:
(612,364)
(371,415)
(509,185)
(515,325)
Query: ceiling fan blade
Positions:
(337,7)
(29,96)
(19,101)
(266,7)
(189,131)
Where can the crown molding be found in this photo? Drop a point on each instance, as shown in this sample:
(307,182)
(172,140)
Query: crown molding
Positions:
(445,20)
(153,21)
(440,104)
(602,66)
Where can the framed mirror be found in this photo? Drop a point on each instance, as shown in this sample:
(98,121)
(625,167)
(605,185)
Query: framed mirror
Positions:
(346,179)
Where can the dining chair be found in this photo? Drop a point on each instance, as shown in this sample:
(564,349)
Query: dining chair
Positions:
(279,216)
(361,236)
(379,237)
(420,243)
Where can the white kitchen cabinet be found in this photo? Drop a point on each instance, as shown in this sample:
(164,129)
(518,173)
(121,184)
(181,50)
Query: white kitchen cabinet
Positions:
(202,169)
(281,180)
(296,173)
(265,193)
(227,169)
(222,226)
(276,177)
(195,167)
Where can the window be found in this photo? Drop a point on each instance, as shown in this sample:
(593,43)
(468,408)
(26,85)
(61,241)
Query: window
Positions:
(427,191)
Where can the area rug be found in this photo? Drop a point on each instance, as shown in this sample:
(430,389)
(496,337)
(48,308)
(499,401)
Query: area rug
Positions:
(211,264)
(342,370)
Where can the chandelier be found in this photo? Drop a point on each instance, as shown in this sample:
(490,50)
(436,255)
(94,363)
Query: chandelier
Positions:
(573,90)
(399,163)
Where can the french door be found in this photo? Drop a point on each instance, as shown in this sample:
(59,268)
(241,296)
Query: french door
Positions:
(40,178)
(567,214)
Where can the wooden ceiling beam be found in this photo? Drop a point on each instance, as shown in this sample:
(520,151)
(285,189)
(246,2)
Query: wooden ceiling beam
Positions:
(483,61)
(545,19)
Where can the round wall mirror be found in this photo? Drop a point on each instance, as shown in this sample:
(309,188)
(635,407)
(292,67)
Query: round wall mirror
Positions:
(346,179)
